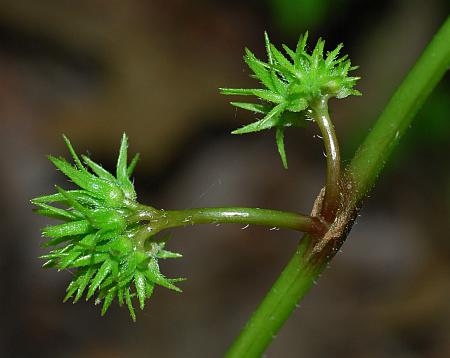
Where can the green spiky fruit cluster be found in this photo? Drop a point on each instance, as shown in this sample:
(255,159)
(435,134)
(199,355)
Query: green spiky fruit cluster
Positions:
(98,239)
(293,82)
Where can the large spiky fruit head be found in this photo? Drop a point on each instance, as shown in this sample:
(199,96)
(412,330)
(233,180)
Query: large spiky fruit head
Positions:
(99,241)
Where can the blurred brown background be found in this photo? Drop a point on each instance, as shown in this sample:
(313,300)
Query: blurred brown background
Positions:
(93,69)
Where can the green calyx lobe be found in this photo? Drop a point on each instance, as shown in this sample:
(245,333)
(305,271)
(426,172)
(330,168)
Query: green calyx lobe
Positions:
(293,81)
(96,239)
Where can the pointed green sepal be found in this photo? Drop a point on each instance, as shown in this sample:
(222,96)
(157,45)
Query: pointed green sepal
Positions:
(269,121)
(84,281)
(108,300)
(71,228)
(98,169)
(140,284)
(102,272)
(164,254)
(56,213)
(132,165)
(254,107)
(74,155)
(122,170)
(280,145)
(154,275)
(130,304)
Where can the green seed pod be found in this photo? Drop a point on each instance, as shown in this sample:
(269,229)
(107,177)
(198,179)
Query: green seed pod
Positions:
(142,259)
(107,219)
(121,246)
(114,196)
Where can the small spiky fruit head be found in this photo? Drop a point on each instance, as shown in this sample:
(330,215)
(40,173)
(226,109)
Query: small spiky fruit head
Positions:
(97,239)
(292,83)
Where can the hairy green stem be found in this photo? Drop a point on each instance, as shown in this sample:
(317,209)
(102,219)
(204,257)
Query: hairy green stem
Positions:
(281,300)
(297,277)
(319,112)
(246,216)
(399,112)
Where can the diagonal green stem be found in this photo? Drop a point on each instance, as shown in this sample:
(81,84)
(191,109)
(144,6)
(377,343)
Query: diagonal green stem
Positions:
(281,300)
(399,112)
(297,277)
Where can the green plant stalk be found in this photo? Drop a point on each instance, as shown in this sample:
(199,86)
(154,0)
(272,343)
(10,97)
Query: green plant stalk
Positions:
(281,300)
(399,113)
(298,275)
(246,216)
(319,113)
